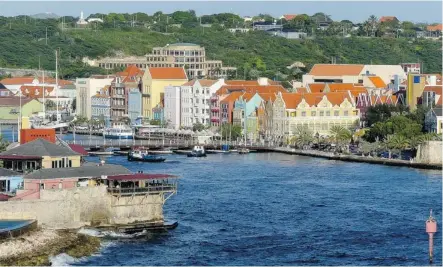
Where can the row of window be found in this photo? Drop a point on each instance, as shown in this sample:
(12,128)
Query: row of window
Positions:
(191,121)
(314,113)
(191,110)
(63,163)
(179,52)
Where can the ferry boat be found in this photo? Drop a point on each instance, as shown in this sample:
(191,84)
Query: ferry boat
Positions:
(118,131)
(143,155)
(197,151)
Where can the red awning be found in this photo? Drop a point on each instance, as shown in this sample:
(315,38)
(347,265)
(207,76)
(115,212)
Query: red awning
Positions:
(79,149)
(140,176)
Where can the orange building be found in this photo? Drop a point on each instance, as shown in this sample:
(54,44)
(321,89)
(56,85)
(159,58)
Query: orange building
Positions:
(28,135)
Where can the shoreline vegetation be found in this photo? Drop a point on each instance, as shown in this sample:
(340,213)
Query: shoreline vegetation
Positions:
(35,248)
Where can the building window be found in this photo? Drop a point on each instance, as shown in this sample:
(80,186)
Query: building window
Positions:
(322,113)
(336,113)
(328,113)
(313,113)
(345,113)
(303,113)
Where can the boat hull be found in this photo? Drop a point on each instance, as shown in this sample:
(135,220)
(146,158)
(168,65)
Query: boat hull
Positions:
(147,159)
(196,155)
(109,136)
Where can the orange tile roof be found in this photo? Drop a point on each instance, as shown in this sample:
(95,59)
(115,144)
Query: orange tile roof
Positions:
(436,89)
(189,83)
(292,100)
(207,83)
(336,98)
(336,69)
(168,73)
(232,97)
(377,82)
(226,89)
(241,82)
(247,96)
(289,17)
(434,28)
(302,90)
(29,80)
(316,87)
(336,87)
(35,91)
(268,96)
(388,18)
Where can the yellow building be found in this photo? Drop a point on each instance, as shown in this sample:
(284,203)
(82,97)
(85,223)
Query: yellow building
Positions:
(154,82)
(39,154)
(416,85)
(10,107)
(317,111)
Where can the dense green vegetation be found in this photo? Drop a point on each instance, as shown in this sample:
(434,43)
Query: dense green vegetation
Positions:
(24,44)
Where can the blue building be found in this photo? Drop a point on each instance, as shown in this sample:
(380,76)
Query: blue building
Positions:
(134,104)
(101,106)
(10,181)
(158,112)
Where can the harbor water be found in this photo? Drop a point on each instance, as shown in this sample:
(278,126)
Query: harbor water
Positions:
(276,209)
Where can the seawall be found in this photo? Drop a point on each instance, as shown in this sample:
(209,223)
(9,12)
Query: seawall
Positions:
(352,158)
(83,206)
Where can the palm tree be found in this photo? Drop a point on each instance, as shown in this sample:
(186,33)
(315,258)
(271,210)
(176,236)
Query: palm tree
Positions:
(303,137)
(373,22)
(341,136)
(397,142)
(415,141)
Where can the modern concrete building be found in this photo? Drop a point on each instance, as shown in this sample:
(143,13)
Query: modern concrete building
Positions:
(192,57)
(154,82)
(86,88)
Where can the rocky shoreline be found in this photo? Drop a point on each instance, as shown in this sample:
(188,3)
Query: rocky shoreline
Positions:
(35,248)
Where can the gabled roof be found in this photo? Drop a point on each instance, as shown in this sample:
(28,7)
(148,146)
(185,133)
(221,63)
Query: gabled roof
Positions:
(336,69)
(226,89)
(232,97)
(40,147)
(434,28)
(78,172)
(433,88)
(167,73)
(78,149)
(387,18)
(316,87)
(35,91)
(207,83)
(377,82)
(292,100)
(289,17)
(302,90)
(190,83)
(268,96)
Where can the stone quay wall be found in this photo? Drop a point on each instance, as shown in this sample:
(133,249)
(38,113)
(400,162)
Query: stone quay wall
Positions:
(83,206)
(430,152)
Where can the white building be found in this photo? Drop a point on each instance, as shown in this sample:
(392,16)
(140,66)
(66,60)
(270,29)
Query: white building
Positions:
(86,88)
(195,101)
(189,104)
(172,110)
(82,20)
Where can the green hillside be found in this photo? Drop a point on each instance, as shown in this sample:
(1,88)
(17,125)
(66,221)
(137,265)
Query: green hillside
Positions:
(22,44)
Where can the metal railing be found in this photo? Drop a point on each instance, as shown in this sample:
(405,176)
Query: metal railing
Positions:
(143,190)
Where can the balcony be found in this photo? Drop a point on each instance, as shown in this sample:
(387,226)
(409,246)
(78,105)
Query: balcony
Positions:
(118,107)
(215,119)
(214,99)
(215,109)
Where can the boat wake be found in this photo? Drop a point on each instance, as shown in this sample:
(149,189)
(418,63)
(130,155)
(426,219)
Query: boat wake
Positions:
(62,260)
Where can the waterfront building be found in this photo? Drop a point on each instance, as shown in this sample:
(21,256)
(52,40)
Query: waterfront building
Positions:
(192,57)
(134,104)
(103,194)
(154,82)
(158,112)
(128,80)
(14,83)
(172,106)
(245,114)
(39,154)
(10,108)
(10,181)
(432,96)
(352,73)
(317,111)
(101,106)
(86,88)
(195,101)
(434,120)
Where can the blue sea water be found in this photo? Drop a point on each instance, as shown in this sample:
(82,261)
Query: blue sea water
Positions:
(275,209)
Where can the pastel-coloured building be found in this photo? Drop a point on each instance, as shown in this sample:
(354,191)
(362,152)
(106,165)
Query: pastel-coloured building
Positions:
(154,82)
(10,181)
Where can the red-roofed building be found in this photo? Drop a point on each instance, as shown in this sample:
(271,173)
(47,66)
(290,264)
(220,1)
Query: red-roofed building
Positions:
(434,30)
(388,19)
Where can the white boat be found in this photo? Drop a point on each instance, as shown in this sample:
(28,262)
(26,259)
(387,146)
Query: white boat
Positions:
(243,151)
(197,151)
(118,131)
(50,125)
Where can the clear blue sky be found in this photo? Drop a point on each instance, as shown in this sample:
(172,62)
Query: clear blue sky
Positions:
(357,11)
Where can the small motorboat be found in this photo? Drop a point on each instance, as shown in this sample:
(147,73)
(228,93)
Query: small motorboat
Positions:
(197,152)
(243,151)
(139,155)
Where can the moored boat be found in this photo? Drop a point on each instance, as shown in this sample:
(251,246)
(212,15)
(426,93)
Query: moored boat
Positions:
(243,151)
(118,131)
(139,155)
(197,151)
